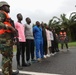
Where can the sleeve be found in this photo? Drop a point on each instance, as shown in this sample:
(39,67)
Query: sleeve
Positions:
(16,25)
(25,25)
(2,18)
(2,26)
(11,22)
(34,30)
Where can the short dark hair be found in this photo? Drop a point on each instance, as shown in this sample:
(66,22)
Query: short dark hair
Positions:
(27,18)
(18,14)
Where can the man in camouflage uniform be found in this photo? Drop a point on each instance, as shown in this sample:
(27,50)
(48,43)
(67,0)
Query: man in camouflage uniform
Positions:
(6,42)
(6,39)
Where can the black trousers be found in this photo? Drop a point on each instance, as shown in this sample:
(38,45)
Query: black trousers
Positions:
(29,49)
(52,46)
(62,44)
(45,46)
(56,47)
(20,51)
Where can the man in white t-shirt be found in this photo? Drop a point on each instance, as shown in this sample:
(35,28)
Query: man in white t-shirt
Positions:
(29,40)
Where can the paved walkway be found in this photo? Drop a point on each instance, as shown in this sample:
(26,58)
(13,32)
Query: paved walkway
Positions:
(63,63)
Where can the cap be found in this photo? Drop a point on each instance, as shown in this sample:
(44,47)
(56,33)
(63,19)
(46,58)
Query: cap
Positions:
(2,3)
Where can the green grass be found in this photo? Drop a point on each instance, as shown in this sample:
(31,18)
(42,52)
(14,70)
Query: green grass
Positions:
(70,44)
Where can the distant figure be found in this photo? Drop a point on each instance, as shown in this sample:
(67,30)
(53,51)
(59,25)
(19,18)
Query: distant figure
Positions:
(38,38)
(63,38)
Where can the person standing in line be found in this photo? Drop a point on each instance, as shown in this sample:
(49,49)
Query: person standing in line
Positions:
(21,45)
(37,32)
(44,40)
(48,34)
(29,40)
(55,41)
(52,41)
(6,39)
(63,39)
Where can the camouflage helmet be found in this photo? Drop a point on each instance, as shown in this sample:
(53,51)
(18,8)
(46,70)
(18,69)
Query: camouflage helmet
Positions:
(2,3)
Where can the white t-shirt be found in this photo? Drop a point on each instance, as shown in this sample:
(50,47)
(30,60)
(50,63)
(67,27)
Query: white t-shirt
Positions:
(28,31)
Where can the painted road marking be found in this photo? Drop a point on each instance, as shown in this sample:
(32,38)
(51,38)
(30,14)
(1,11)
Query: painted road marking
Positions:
(33,73)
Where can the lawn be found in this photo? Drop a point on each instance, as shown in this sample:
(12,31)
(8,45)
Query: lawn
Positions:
(71,44)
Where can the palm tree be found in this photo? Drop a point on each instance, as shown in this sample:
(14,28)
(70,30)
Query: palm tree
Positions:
(72,21)
(69,24)
(65,22)
(72,18)
(54,22)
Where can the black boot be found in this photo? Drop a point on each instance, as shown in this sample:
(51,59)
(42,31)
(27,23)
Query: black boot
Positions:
(25,64)
(16,72)
(19,67)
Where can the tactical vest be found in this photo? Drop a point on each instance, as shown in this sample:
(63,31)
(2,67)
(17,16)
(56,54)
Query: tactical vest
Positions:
(62,35)
(6,22)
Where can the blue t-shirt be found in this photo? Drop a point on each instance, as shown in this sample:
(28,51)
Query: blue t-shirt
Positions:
(37,32)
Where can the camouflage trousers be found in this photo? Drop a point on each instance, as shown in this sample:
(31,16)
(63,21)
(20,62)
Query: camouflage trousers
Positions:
(6,48)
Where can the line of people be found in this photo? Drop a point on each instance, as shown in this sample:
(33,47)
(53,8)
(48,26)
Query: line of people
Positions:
(45,41)
(38,40)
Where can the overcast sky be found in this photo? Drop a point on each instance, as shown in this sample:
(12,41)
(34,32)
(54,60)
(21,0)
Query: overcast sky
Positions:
(41,10)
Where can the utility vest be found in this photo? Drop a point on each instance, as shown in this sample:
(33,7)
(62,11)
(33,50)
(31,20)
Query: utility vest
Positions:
(62,35)
(6,22)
